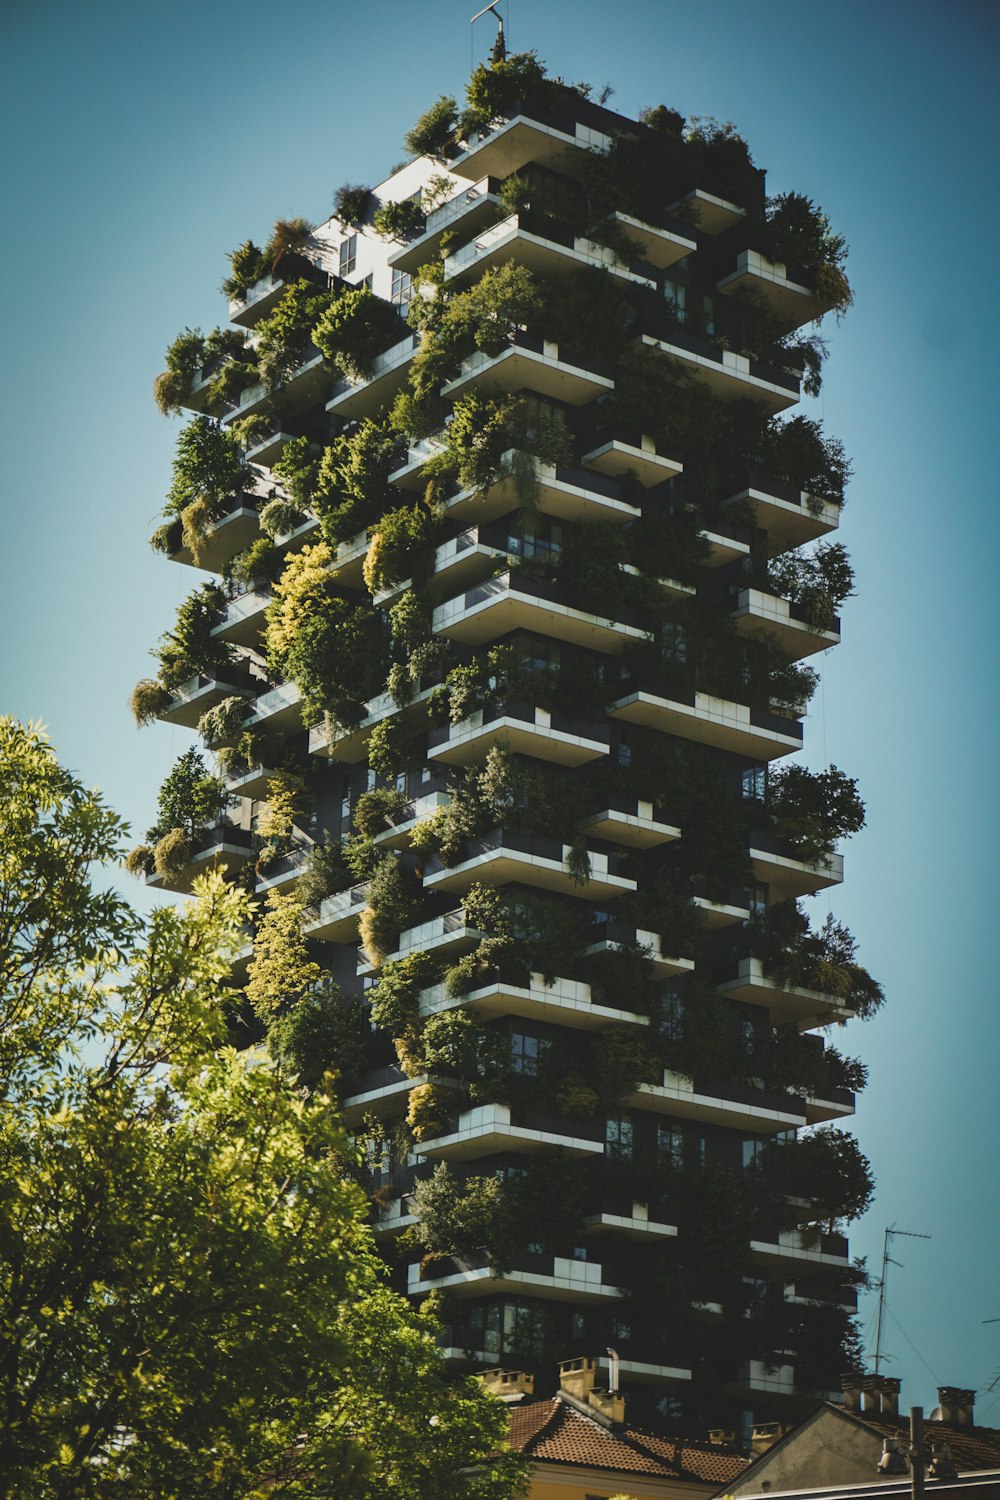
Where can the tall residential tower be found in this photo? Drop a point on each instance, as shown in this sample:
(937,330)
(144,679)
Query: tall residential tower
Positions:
(521,564)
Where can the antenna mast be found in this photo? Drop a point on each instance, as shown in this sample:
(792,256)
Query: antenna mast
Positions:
(887,1261)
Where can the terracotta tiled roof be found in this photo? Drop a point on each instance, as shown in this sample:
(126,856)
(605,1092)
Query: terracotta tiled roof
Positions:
(553,1432)
(972,1448)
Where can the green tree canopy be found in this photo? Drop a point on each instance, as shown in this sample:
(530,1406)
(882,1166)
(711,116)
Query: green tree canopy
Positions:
(189,1299)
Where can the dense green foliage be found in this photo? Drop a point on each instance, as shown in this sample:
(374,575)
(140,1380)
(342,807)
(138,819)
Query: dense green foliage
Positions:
(191,1302)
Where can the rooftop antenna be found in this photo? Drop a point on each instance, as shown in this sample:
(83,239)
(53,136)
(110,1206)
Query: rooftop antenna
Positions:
(996,1378)
(887,1261)
(498,51)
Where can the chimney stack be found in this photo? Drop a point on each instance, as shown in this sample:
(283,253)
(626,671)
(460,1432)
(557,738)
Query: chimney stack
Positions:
(955,1404)
(509,1385)
(577,1387)
(878,1394)
(765,1435)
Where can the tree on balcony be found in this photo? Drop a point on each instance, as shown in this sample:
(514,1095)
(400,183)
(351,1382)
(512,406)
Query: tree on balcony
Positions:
(188,803)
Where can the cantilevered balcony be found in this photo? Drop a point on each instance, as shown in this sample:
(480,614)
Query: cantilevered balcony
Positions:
(393,1217)
(635,1224)
(397,836)
(268,446)
(776,865)
(554,1278)
(235,529)
(720,907)
(285,871)
(203,691)
(713,215)
(349,744)
(745,979)
(725,545)
(522,729)
(765,616)
(790,516)
(798,1252)
(631,821)
(251,782)
(620,451)
(261,299)
(306,384)
(470,209)
(347,564)
(410,474)
(448,935)
(242,621)
(564,1002)
(384,1092)
(612,937)
(491,1129)
(462,561)
(755,1110)
(729,376)
(790,299)
(659,247)
(516,602)
(560,491)
(829,1104)
(543,137)
(710,721)
(224,847)
(501,857)
(540,244)
(278,709)
(537,365)
(337,918)
(363,398)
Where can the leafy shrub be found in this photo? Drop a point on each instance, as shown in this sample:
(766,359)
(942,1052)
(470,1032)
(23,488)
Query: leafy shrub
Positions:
(148,700)
(184,361)
(284,337)
(172,854)
(208,465)
(354,330)
(223,724)
(249,264)
(397,221)
(375,811)
(140,861)
(400,534)
(434,130)
(350,203)
(278,517)
(191,647)
(815,808)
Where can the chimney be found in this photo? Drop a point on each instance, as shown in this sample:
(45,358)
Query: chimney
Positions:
(889,1388)
(577,1387)
(955,1404)
(721,1437)
(850,1384)
(871,1394)
(509,1385)
(765,1435)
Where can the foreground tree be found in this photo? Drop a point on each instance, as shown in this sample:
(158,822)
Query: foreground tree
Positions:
(189,1299)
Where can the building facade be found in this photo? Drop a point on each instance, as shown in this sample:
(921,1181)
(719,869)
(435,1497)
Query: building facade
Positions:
(521,559)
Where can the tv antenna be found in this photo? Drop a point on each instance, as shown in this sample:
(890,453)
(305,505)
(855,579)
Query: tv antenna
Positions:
(499,49)
(891,1233)
(996,1379)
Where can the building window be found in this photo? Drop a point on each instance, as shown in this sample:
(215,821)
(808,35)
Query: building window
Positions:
(670,1144)
(578,1326)
(757,900)
(620,1329)
(673,644)
(751,1151)
(348,255)
(484,1328)
(624,748)
(670,1022)
(527,1053)
(535,537)
(369,281)
(753,784)
(523,1330)
(675,296)
(619,1136)
(402,284)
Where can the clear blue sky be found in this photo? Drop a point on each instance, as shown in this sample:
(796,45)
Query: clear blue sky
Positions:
(143,141)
